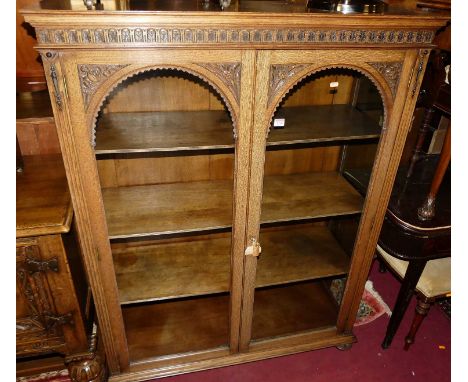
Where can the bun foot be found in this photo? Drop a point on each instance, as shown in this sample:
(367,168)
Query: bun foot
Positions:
(86,368)
(345,347)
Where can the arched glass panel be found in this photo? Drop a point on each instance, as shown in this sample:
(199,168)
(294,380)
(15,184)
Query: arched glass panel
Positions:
(319,155)
(165,154)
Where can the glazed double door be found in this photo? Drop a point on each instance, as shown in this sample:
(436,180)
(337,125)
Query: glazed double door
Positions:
(223,195)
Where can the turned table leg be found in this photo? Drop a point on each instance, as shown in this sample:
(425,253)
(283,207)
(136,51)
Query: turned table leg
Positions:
(421,312)
(414,271)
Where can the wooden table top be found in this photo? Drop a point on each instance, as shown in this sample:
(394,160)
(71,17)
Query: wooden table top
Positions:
(43,203)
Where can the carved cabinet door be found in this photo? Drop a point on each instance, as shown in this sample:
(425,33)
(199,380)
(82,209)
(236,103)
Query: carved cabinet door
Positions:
(324,120)
(156,148)
(36,325)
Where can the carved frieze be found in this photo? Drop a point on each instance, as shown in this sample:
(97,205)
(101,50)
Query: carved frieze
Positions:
(229,74)
(142,35)
(279,76)
(92,76)
(390,71)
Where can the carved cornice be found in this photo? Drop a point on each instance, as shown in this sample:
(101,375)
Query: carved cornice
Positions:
(92,76)
(229,74)
(279,77)
(142,36)
(390,71)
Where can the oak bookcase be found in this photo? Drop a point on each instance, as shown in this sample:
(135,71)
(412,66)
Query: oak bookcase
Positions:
(181,173)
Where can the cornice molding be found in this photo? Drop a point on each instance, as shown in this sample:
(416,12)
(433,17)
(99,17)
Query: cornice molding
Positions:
(144,36)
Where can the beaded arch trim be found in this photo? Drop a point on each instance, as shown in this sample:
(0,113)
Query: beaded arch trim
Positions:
(295,68)
(227,103)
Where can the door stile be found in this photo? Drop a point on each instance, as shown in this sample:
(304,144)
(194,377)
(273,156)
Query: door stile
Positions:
(380,186)
(241,193)
(85,193)
(257,164)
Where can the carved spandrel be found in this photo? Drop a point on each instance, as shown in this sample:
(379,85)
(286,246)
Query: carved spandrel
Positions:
(229,74)
(279,76)
(92,76)
(391,71)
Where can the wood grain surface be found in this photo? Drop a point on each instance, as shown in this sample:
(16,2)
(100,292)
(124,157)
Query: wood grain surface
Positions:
(201,265)
(291,309)
(204,206)
(177,326)
(198,130)
(194,324)
(163,131)
(43,203)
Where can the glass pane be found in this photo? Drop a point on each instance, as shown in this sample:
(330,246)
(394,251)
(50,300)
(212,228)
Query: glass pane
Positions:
(165,152)
(323,133)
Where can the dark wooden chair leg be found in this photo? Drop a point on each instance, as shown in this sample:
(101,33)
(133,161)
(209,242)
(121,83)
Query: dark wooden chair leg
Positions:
(414,271)
(424,128)
(421,312)
(382,266)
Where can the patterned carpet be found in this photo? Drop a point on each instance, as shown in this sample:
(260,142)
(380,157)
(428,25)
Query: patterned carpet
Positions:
(371,307)
(446,307)
(53,376)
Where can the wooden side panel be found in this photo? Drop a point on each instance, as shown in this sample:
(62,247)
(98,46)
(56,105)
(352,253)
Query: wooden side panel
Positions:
(28,63)
(37,137)
(380,186)
(84,189)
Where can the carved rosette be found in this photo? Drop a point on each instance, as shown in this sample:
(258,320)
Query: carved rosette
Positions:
(229,74)
(279,76)
(391,71)
(92,76)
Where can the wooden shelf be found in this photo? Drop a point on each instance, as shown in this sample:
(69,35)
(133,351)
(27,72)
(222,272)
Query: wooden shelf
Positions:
(174,327)
(34,105)
(201,265)
(195,324)
(299,253)
(174,268)
(176,208)
(322,123)
(43,203)
(163,131)
(291,309)
(119,133)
